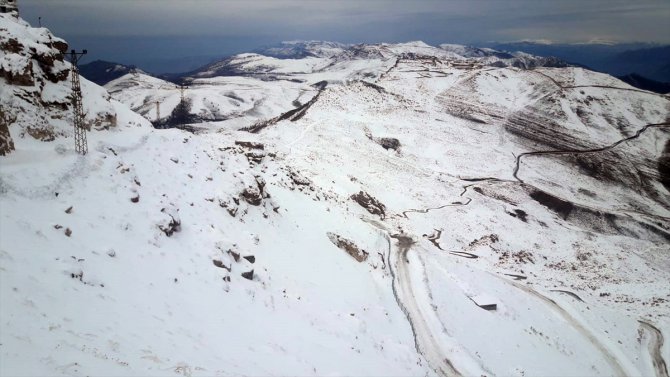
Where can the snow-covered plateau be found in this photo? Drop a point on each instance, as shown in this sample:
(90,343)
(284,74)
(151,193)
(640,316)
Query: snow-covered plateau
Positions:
(391,209)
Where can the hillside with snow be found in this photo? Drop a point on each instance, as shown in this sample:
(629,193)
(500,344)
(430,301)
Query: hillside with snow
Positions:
(253,86)
(35,96)
(392,209)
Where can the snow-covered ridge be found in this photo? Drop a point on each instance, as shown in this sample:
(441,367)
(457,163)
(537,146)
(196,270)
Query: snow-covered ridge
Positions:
(302,49)
(297,65)
(35,95)
(308,56)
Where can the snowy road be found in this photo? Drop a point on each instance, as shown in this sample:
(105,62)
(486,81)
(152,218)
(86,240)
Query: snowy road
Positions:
(592,338)
(430,337)
(425,340)
(655,349)
(585,151)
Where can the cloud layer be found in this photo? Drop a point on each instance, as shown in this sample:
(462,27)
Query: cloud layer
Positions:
(365,21)
(171,35)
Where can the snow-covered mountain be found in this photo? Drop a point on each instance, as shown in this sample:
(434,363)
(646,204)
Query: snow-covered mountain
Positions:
(214,90)
(384,210)
(35,95)
(649,60)
(316,55)
(303,49)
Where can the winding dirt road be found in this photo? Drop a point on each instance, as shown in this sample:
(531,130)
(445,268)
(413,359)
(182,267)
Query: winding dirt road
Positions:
(655,346)
(424,339)
(584,151)
(565,87)
(593,339)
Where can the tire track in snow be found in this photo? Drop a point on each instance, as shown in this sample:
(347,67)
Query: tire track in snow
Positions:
(607,354)
(103,146)
(655,347)
(80,167)
(611,359)
(424,340)
(403,272)
(76,169)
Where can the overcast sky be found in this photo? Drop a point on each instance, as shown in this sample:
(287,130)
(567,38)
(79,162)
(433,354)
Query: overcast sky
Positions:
(214,27)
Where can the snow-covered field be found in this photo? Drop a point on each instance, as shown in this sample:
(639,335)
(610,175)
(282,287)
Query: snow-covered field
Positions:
(357,235)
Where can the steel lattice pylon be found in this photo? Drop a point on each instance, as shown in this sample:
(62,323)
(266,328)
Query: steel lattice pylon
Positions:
(80,142)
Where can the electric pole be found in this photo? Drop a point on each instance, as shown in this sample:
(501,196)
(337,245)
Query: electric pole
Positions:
(183,107)
(80,142)
(182,89)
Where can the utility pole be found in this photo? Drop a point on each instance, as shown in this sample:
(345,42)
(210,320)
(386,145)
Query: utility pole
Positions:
(80,142)
(183,107)
(182,89)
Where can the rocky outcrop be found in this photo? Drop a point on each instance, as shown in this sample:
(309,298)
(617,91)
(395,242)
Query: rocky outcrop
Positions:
(349,247)
(255,195)
(370,203)
(389,143)
(19,74)
(6,142)
(12,46)
(42,133)
(36,90)
(171,222)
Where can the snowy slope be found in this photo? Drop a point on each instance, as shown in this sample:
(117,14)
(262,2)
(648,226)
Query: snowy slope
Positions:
(234,98)
(588,240)
(255,86)
(122,297)
(376,213)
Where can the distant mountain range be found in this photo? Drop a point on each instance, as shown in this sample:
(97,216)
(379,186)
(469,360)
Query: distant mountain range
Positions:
(642,65)
(645,83)
(295,64)
(102,72)
(647,60)
(257,63)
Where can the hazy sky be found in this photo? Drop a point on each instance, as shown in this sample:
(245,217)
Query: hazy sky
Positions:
(216,27)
